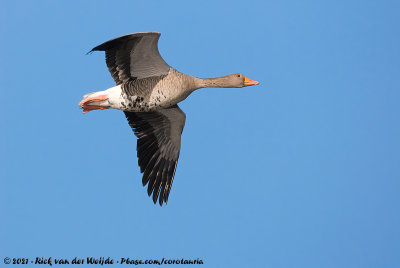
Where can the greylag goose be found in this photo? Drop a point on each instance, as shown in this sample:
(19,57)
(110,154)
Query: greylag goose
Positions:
(147,90)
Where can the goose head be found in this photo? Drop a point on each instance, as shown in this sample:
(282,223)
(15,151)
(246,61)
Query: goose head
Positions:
(237,80)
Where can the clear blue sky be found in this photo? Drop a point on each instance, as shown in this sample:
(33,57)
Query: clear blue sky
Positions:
(300,171)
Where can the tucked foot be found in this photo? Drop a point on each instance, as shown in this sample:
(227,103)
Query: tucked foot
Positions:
(91,102)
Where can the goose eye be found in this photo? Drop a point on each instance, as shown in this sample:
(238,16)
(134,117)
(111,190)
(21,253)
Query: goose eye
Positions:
(238,75)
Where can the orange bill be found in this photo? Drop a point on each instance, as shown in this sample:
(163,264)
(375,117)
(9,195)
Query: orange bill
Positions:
(249,82)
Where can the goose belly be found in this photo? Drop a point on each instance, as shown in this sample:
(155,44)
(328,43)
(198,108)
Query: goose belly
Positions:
(149,94)
(157,99)
(166,97)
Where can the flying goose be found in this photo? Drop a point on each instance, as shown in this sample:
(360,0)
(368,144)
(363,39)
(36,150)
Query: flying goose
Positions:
(147,90)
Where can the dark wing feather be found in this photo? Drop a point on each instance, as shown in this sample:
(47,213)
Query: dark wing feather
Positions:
(158,146)
(134,56)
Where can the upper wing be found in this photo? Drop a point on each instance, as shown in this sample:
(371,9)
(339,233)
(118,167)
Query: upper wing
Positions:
(134,56)
(159,142)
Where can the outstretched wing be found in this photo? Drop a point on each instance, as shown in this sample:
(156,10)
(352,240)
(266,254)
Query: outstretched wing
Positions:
(158,146)
(134,56)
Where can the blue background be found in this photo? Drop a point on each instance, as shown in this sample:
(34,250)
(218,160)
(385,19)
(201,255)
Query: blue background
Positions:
(299,171)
